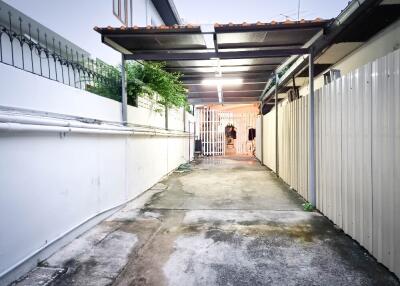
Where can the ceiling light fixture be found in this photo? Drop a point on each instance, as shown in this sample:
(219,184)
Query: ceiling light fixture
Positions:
(222,81)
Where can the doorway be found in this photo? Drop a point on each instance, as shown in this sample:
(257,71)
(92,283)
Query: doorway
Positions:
(226,130)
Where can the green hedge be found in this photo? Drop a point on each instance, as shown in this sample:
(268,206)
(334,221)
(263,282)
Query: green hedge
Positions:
(147,79)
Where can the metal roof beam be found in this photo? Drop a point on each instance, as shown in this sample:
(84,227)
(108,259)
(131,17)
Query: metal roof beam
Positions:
(325,38)
(259,74)
(246,81)
(231,92)
(226,100)
(268,66)
(220,55)
(226,95)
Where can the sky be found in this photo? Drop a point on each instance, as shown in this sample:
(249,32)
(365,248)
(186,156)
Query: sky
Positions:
(251,11)
(75,19)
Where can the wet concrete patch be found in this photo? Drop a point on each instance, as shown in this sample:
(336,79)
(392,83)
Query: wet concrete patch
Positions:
(227,189)
(98,264)
(250,248)
(147,259)
(226,222)
(40,276)
(267,253)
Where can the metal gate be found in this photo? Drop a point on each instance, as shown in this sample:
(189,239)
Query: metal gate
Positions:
(211,130)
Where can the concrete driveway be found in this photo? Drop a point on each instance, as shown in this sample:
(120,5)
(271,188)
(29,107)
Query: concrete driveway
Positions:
(227,221)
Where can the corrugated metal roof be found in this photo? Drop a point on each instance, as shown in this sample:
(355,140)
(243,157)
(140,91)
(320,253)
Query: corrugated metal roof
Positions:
(249,51)
(241,26)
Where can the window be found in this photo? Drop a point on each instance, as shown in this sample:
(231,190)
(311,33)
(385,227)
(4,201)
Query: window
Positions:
(116,7)
(120,10)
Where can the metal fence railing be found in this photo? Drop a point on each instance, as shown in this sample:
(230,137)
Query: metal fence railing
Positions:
(25,46)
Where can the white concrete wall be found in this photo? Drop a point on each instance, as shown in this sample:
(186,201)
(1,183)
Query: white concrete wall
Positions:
(176,119)
(20,89)
(51,183)
(144,13)
(146,117)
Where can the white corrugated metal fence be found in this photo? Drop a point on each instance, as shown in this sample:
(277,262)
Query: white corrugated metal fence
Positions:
(357,138)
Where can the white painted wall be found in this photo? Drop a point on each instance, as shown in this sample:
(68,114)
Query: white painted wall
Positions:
(176,119)
(51,183)
(146,117)
(144,13)
(20,89)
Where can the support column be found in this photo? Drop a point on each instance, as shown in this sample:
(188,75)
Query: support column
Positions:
(124,95)
(190,138)
(311,132)
(294,88)
(276,125)
(166,117)
(184,119)
(262,136)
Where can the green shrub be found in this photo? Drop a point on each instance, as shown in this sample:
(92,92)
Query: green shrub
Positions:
(147,79)
(308,207)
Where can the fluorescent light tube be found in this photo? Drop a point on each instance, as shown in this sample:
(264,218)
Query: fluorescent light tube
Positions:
(225,81)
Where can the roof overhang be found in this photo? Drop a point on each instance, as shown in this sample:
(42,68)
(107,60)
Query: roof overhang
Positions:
(246,52)
(355,25)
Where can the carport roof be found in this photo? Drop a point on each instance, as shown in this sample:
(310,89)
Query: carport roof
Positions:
(249,52)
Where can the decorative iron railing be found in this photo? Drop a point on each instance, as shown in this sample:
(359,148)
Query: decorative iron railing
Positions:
(33,51)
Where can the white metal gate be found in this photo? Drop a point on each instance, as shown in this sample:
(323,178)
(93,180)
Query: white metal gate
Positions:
(211,130)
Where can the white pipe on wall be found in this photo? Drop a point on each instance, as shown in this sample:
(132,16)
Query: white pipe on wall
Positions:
(23,119)
(23,123)
(32,127)
(13,127)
